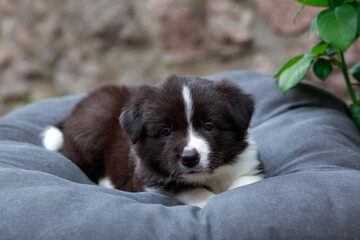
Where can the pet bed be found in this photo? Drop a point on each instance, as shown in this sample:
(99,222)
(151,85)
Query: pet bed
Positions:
(308,143)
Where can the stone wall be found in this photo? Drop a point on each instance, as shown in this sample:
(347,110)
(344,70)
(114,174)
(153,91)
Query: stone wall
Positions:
(55,47)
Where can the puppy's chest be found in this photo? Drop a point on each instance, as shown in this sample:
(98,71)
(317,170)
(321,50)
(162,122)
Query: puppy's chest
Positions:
(219,186)
(243,171)
(219,181)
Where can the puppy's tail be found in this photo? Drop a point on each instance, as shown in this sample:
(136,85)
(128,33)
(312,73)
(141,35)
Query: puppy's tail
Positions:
(52,138)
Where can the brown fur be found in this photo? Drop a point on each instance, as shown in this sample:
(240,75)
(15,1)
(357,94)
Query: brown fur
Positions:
(134,153)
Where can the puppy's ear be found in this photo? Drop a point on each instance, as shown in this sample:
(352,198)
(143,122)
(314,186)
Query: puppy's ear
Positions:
(132,115)
(131,119)
(241,104)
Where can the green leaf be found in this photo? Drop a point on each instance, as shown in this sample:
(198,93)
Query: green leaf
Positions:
(320,48)
(322,68)
(312,26)
(294,74)
(298,12)
(288,64)
(338,26)
(357,7)
(315,3)
(330,51)
(355,71)
(338,2)
(355,114)
(322,3)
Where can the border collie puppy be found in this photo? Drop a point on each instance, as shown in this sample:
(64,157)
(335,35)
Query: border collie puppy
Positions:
(185,137)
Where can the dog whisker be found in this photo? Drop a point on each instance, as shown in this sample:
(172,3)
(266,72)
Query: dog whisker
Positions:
(219,153)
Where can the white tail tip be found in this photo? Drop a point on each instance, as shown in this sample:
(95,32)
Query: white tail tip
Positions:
(52,139)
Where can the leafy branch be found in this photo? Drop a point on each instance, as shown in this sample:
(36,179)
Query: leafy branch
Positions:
(338,26)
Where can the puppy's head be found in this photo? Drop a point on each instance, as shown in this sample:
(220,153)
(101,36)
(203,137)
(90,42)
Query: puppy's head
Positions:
(188,125)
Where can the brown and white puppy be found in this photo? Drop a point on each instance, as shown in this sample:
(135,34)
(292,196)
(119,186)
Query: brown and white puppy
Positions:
(185,137)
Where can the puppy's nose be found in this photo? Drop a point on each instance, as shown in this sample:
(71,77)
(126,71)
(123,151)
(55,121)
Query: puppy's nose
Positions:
(190,158)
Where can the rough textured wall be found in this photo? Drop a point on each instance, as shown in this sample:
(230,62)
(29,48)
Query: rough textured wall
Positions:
(53,47)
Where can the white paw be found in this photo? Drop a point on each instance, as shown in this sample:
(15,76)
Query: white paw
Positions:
(106,182)
(245,180)
(197,196)
(198,204)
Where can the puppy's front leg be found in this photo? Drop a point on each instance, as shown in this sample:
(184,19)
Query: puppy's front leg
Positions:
(245,180)
(197,196)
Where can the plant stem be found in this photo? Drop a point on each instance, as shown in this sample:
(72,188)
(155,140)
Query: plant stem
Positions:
(335,61)
(347,79)
(331,4)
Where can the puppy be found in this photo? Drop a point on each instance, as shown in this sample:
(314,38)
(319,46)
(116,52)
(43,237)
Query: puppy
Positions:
(185,137)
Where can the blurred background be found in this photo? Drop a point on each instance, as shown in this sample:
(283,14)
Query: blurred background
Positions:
(59,47)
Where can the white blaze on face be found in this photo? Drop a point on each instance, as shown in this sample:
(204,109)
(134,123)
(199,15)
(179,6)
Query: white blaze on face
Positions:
(194,141)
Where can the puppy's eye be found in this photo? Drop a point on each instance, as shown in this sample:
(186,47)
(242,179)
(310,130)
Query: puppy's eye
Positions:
(166,132)
(209,127)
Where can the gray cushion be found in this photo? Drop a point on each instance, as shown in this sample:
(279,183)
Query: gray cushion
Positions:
(308,143)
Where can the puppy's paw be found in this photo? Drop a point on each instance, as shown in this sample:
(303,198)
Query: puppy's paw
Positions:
(245,180)
(197,196)
(199,204)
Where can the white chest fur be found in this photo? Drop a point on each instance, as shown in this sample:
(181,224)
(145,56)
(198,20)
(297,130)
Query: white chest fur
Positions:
(243,171)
